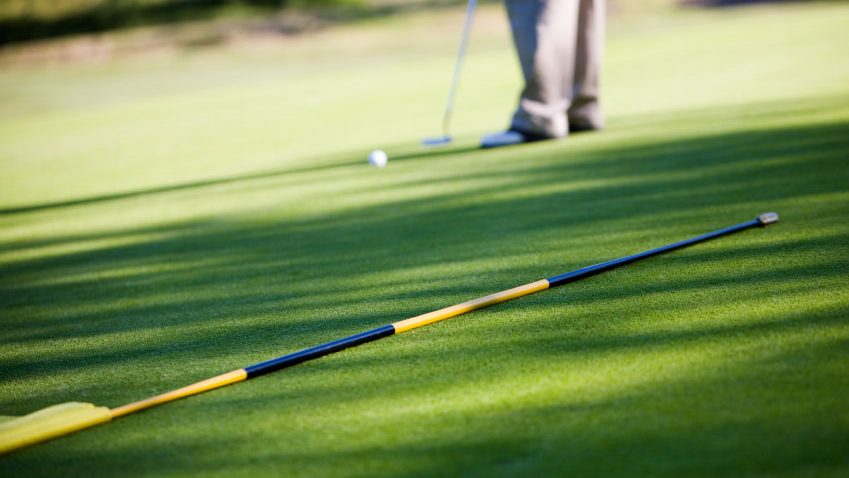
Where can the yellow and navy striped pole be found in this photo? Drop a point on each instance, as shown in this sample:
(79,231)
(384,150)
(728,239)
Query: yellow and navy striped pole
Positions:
(311,353)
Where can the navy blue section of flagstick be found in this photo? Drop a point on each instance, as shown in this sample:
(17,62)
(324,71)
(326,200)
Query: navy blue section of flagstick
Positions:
(582,273)
(295,358)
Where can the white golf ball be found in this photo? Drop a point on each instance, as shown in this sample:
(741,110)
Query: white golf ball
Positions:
(378,158)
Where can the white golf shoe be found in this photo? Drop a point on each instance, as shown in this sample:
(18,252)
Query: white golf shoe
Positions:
(508,138)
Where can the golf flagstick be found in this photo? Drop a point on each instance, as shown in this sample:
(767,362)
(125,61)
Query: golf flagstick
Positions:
(67,418)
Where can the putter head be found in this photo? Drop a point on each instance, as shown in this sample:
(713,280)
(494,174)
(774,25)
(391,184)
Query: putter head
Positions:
(768,218)
(437,142)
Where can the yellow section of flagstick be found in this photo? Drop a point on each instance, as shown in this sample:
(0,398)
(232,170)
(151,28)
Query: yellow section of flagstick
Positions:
(459,309)
(193,389)
(50,423)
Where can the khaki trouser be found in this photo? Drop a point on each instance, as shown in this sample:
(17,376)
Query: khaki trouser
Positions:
(560,45)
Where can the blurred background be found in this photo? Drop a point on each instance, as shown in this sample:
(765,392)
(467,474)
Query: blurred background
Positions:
(22,20)
(285,81)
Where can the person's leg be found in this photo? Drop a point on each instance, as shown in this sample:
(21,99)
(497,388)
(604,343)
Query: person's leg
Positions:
(585,112)
(545,35)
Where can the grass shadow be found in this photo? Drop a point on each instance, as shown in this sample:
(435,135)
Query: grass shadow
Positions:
(185,300)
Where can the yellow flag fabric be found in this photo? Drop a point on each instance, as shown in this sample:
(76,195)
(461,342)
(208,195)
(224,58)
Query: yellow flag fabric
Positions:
(51,422)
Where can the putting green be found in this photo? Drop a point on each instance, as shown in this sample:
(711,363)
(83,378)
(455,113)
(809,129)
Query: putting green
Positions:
(171,216)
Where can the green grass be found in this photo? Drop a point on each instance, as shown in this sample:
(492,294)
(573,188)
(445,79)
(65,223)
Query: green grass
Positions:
(166,218)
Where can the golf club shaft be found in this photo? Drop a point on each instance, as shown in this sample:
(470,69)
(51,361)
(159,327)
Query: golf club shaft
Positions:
(458,68)
(295,358)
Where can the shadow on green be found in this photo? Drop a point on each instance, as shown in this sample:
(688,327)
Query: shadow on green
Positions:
(240,292)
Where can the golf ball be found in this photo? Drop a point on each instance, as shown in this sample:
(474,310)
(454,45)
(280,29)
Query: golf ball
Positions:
(378,158)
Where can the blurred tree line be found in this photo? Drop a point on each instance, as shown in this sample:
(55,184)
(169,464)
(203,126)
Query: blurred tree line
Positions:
(22,20)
